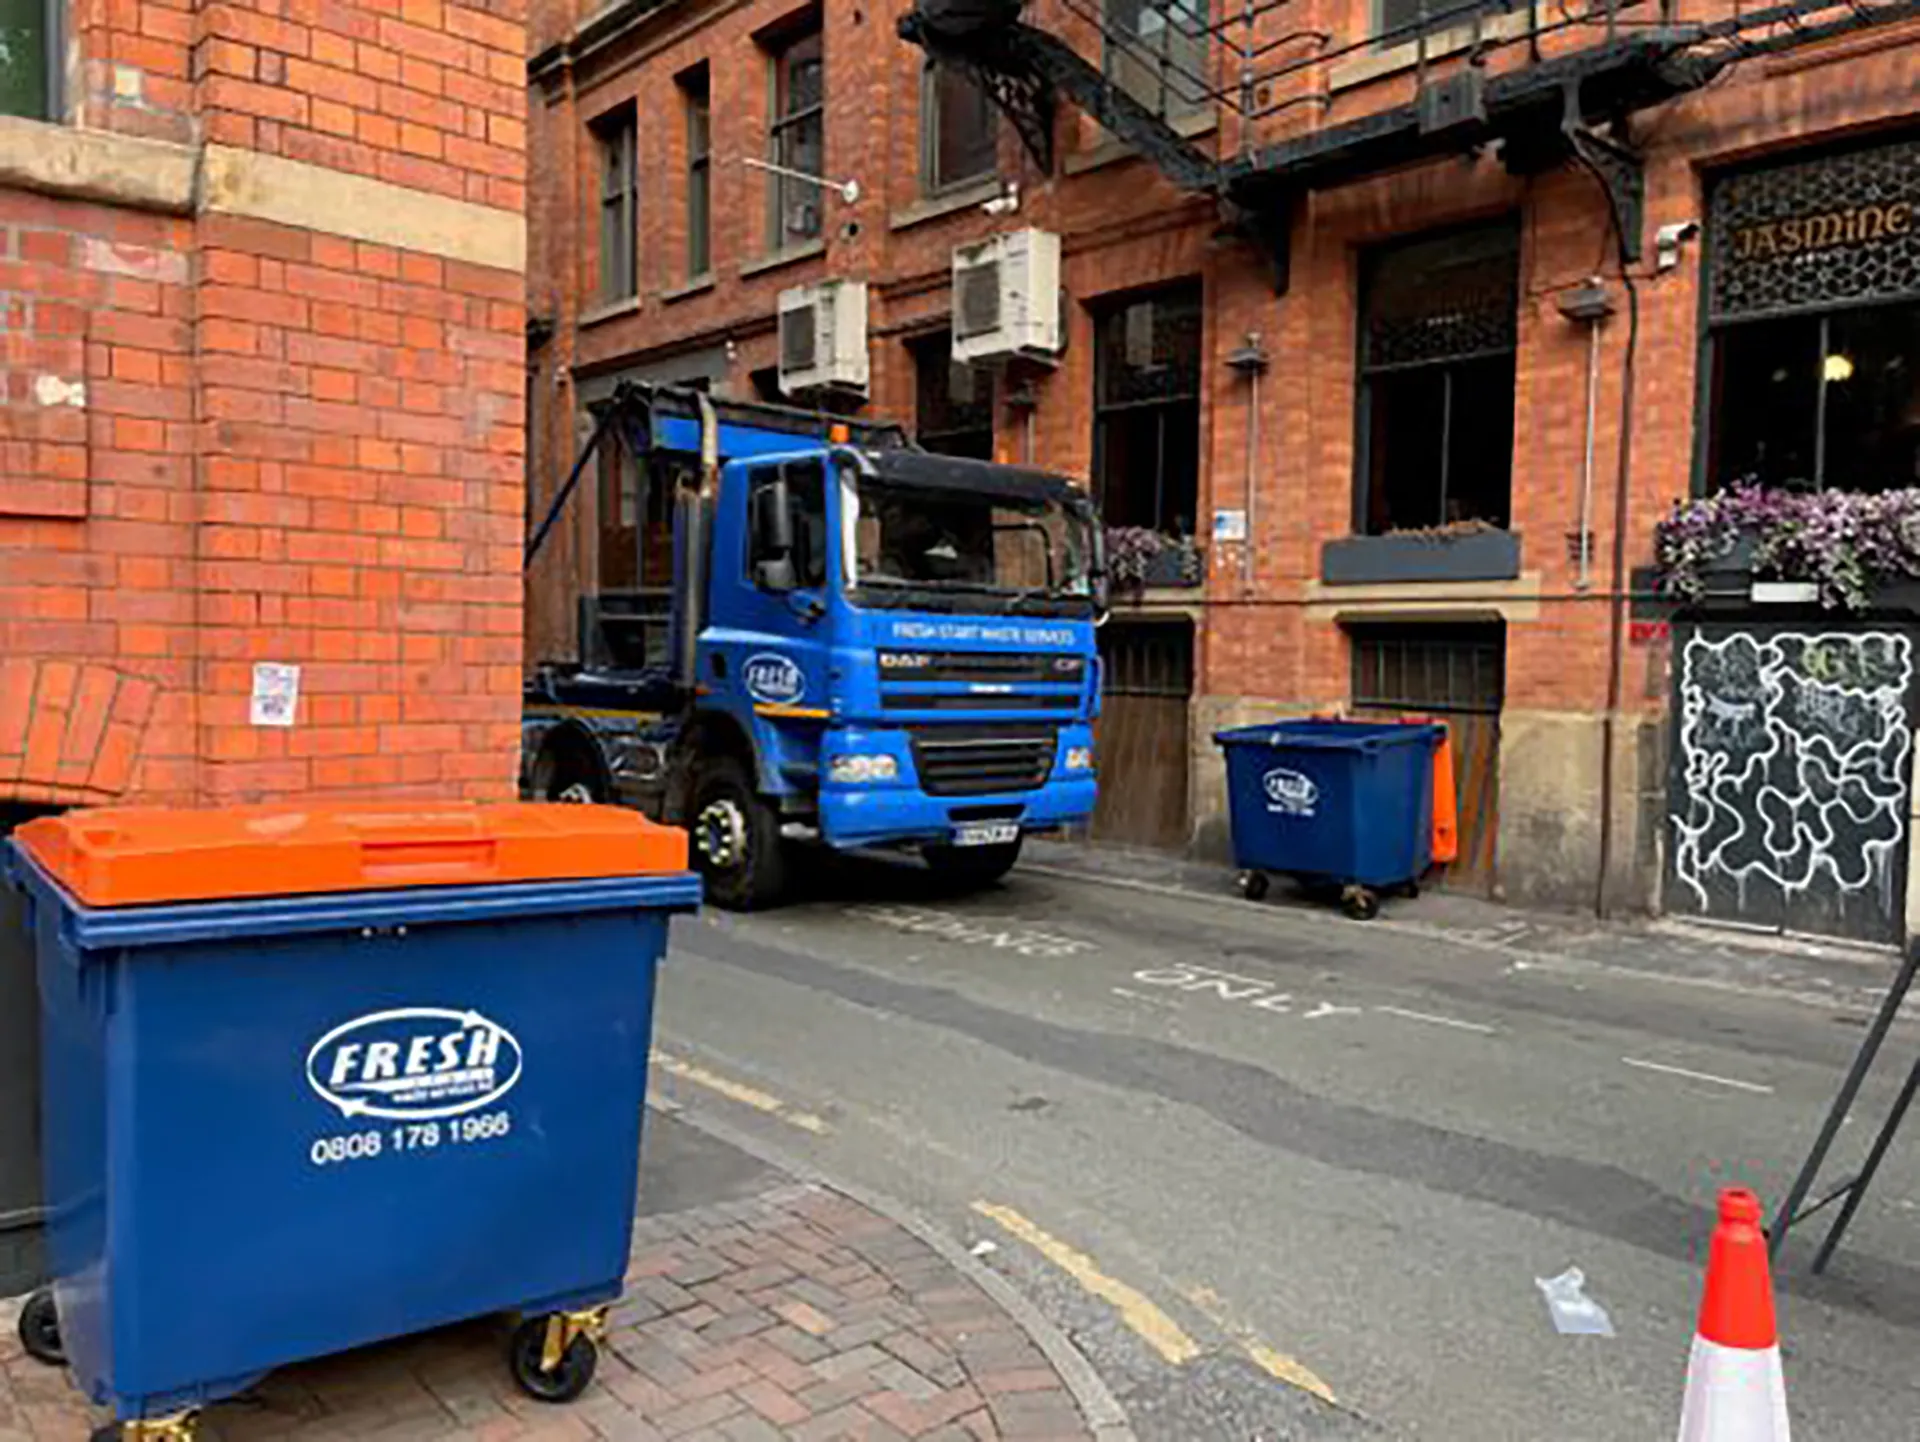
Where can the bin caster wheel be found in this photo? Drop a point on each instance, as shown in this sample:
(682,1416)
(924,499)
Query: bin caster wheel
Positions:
(532,1350)
(1411,891)
(40,1330)
(178,1428)
(1360,903)
(1254,885)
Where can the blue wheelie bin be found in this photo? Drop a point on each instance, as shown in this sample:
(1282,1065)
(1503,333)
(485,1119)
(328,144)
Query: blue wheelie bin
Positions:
(1339,803)
(320,1076)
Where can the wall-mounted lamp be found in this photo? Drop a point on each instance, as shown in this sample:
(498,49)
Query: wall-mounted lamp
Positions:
(1587,304)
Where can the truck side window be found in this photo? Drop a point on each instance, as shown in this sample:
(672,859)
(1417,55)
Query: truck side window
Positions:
(807,506)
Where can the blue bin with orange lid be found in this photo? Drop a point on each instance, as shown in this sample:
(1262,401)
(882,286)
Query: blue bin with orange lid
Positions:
(319,1075)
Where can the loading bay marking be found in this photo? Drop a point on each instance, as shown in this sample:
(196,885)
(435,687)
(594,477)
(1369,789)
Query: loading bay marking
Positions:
(995,934)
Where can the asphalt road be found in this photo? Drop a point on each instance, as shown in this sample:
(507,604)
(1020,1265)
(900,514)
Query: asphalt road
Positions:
(1250,1157)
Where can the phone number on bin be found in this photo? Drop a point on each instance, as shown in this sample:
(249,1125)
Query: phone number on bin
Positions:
(409,1137)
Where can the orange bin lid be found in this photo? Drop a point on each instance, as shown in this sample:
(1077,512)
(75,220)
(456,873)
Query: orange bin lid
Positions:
(140,855)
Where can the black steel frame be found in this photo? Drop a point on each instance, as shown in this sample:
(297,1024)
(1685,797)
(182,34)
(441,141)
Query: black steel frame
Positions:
(1796,1209)
(1572,107)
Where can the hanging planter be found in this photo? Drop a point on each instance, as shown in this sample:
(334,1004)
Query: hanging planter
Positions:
(1849,546)
(1140,559)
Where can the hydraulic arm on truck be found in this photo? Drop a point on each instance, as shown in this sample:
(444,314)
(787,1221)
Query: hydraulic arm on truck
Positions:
(860,644)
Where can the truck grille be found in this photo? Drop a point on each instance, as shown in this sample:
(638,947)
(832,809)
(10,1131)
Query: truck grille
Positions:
(969,701)
(980,760)
(1058,668)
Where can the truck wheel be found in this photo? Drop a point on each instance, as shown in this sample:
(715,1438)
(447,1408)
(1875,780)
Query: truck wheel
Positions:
(40,1329)
(736,839)
(971,867)
(564,774)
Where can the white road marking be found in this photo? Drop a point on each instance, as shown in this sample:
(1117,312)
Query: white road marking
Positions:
(1211,981)
(1701,1076)
(1327,1008)
(1434,1020)
(993,933)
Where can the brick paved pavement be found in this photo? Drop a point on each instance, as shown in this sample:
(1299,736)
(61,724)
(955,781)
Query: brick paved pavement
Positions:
(797,1313)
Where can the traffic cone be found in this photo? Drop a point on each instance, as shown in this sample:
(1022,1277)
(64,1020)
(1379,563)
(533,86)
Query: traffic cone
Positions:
(1735,1389)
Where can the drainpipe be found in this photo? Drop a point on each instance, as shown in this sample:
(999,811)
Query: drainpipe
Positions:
(1588,305)
(1251,361)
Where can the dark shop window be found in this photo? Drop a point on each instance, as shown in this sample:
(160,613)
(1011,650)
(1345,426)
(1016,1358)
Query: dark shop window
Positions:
(959,129)
(953,403)
(696,100)
(29,45)
(1156,51)
(1436,381)
(615,135)
(1429,666)
(797,141)
(1146,410)
(1817,402)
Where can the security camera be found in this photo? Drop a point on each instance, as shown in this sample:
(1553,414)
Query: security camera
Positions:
(1005,203)
(1667,241)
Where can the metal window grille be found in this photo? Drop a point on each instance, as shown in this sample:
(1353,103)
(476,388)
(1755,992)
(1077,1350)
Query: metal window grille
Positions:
(1438,327)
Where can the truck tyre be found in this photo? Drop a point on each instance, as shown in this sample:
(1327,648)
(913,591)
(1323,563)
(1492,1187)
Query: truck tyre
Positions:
(969,868)
(566,773)
(736,838)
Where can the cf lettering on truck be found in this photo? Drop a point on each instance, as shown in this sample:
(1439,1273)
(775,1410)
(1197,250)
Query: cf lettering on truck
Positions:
(863,644)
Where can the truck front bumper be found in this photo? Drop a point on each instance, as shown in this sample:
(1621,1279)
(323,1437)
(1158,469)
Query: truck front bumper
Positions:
(899,811)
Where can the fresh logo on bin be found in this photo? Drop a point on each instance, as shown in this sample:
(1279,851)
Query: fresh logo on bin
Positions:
(415,1063)
(773,679)
(1289,792)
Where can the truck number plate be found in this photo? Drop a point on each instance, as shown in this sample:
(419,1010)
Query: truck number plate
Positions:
(987,833)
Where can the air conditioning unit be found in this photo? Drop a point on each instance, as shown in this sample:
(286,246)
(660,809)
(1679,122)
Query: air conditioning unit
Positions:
(1006,298)
(823,338)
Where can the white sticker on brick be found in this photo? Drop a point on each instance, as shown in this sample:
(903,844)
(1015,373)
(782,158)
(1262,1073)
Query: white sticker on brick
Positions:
(276,693)
(53,391)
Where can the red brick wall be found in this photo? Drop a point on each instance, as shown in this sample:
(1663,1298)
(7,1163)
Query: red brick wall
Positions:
(230,440)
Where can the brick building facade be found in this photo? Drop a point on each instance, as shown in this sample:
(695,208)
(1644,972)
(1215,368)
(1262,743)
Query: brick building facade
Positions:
(1385,468)
(263,317)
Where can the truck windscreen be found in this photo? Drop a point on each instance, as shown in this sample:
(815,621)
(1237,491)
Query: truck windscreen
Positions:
(929,548)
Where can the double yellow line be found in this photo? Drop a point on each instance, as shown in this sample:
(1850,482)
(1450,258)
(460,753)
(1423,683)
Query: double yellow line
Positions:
(1146,1318)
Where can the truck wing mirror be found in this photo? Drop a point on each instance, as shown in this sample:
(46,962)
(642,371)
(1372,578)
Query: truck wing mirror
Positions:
(773,536)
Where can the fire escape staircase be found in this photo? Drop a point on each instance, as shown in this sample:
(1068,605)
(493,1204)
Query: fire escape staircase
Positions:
(1572,105)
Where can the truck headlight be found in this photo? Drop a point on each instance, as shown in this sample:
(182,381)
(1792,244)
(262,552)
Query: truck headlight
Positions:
(1079,758)
(853,770)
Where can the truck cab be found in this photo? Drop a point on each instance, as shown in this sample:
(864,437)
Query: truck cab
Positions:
(865,645)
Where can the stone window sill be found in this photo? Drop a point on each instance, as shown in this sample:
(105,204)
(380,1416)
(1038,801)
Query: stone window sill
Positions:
(611,310)
(971,196)
(792,255)
(698,285)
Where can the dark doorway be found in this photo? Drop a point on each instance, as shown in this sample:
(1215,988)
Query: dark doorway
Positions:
(1141,738)
(1455,673)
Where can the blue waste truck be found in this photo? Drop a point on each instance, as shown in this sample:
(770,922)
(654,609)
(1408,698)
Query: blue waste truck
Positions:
(859,643)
